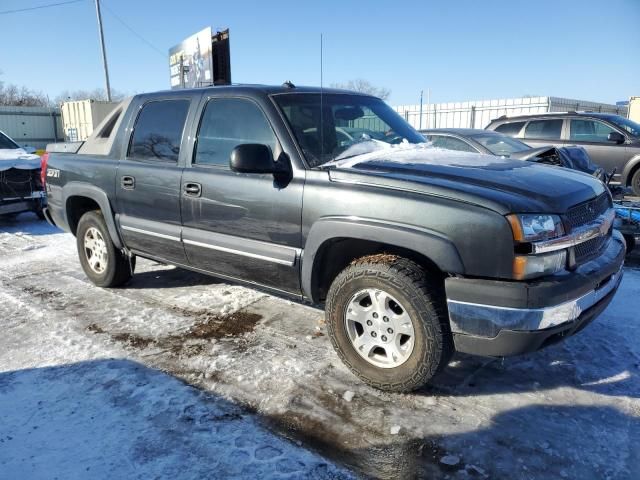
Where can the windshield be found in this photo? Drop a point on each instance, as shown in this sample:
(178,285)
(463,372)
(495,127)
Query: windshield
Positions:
(629,125)
(7,143)
(347,120)
(501,145)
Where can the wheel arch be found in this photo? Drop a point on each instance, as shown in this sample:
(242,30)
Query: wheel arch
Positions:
(80,198)
(334,242)
(630,168)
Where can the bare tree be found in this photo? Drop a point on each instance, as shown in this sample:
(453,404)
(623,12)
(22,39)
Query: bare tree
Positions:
(15,96)
(364,86)
(97,94)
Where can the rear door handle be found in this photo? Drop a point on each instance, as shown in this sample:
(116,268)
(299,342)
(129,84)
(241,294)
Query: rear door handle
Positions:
(192,189)
(128,182)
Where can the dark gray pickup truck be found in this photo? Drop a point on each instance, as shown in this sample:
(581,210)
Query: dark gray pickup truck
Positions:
(330,197)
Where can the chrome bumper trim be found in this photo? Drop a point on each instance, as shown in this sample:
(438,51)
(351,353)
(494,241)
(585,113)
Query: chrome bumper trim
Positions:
(524,319)
(597,228)
(151,234)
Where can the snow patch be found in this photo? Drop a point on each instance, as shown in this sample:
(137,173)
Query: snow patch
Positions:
(450,460)
(411,153)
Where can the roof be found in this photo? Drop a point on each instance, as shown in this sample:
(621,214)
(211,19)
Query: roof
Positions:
(556,115)
(460,131)
(265,89)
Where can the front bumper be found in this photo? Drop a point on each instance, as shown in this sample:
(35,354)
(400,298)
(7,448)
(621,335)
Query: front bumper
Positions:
(500,318)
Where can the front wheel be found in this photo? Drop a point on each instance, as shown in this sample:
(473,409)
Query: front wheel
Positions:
(101,261)
(635,183)
(387,321)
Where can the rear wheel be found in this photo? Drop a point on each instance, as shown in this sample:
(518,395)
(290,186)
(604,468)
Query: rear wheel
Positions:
(101,261)
(39,212)
(386,319)
(635,182)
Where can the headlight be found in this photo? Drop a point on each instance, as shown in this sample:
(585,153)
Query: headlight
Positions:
(532,266)
(534,227)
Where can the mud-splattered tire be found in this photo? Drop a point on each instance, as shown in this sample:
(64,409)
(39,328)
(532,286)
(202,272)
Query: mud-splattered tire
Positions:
(402,282)
(102,262)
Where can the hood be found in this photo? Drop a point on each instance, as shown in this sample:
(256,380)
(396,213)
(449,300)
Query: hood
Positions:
(531,153)
(18,158)
(502,184)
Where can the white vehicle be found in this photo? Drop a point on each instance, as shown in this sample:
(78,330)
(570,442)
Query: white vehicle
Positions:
(20,179)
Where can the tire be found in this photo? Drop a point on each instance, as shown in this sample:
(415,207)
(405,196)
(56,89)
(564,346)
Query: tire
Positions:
(631,243)
(111,267)
(635,182)
(405,288)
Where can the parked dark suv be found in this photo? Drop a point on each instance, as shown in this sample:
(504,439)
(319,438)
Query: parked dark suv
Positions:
(612,141)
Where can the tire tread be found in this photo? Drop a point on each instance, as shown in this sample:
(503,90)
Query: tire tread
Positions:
(424,291)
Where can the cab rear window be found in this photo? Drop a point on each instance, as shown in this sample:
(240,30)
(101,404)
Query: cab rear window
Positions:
(158,131)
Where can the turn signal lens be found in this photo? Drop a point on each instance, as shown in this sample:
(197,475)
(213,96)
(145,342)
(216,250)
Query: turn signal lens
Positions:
(533,266)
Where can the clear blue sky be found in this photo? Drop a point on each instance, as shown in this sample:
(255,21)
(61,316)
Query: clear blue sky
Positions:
(461,50)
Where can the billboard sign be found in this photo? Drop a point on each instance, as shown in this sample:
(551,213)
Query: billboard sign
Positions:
(192,56)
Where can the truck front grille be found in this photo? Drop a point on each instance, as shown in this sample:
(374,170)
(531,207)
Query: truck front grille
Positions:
(588,211)
(590,249)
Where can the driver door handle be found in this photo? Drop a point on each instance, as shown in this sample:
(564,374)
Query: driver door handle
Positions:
(192,189)
(128,182)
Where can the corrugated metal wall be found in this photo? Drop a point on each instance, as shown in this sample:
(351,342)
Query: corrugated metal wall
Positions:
(478,114)
(32,126)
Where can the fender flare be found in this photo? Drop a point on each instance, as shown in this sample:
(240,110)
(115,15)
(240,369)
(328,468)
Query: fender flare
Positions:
(79,189)
(631,164)
(433,245)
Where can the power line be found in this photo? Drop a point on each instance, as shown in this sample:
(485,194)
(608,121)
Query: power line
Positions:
(6,12)
(125,25)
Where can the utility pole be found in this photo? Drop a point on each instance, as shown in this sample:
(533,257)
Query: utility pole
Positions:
(420,122)
(104,52)
(428,107)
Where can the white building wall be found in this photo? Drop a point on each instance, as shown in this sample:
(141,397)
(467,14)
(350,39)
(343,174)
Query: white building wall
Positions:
(478,114)
(80,117)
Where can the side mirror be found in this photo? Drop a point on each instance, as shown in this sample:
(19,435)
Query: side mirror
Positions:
(29,149)
(615,137)
(253,158)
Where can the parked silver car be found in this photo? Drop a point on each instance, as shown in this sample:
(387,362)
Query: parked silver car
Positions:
(612,141)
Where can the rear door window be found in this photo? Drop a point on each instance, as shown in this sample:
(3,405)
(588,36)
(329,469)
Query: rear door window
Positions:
(589,131)
(512,129)
(544,129)
(158,131)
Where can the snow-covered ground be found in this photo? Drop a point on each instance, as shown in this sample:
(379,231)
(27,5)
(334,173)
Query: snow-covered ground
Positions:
(180,375)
